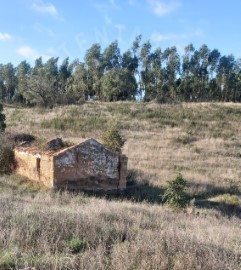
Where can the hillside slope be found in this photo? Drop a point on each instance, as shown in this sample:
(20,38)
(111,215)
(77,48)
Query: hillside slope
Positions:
(133,230)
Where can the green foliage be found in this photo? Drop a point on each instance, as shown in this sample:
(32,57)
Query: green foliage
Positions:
(77,245)
(2,119)
(174,194)
(112,138)
(7,161)
(107,75)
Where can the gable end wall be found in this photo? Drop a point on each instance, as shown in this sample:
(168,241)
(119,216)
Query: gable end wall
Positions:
(88,165)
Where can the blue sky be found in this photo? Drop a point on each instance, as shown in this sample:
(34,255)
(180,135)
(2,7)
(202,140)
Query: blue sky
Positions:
(67,28)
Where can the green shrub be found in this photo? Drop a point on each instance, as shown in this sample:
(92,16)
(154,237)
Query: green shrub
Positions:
(7,162)
(77,245)
(112,139)
(174,194)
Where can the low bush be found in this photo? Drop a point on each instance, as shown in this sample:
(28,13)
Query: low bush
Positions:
(175,194)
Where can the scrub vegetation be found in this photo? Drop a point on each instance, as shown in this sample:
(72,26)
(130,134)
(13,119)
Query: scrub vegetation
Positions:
(193,145)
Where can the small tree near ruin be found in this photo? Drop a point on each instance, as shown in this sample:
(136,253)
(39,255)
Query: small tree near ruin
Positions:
(112,139)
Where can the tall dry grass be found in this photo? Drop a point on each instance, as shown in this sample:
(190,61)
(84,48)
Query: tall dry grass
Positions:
(131,230)
(36,229)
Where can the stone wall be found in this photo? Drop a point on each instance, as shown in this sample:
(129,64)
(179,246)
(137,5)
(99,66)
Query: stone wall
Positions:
(89,165)
(36,167)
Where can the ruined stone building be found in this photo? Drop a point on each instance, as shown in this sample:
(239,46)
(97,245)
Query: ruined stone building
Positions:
(87,165)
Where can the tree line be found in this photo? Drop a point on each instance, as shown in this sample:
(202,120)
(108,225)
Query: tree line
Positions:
(141,72)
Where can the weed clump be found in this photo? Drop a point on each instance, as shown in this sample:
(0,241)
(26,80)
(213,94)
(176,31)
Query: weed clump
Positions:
(175,194)
(77,245)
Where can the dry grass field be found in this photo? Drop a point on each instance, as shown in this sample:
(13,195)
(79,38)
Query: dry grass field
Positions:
(40,229)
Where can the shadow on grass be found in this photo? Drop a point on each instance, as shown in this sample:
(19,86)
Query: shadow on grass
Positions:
(225,209)
(137,193)
(223,199)
(138,190)
(209,190)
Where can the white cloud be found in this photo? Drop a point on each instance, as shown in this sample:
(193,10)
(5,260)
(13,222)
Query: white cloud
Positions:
(32,54)
(27,52)
(157,37)
(4,36)
(47,8)
(169,37)
(160,7)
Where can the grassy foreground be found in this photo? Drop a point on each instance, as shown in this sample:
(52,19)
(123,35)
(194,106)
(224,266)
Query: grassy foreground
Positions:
(40,229)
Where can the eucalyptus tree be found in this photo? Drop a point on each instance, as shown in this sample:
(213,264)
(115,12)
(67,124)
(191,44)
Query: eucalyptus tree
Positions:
(118,84)
(130,62)
(136,46)
(111,66)
(237,92)
(226,77)
(10,81)
(129,65)
(23,73)
(94,68)
(2,85)
(214,57)
(195,75)
(171,71)
(186,86)
(147,81)
(203,72)
(110,85)
(157,74)
(38,65)
(76,91)
(111,57)
(64,73)
(42,87)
